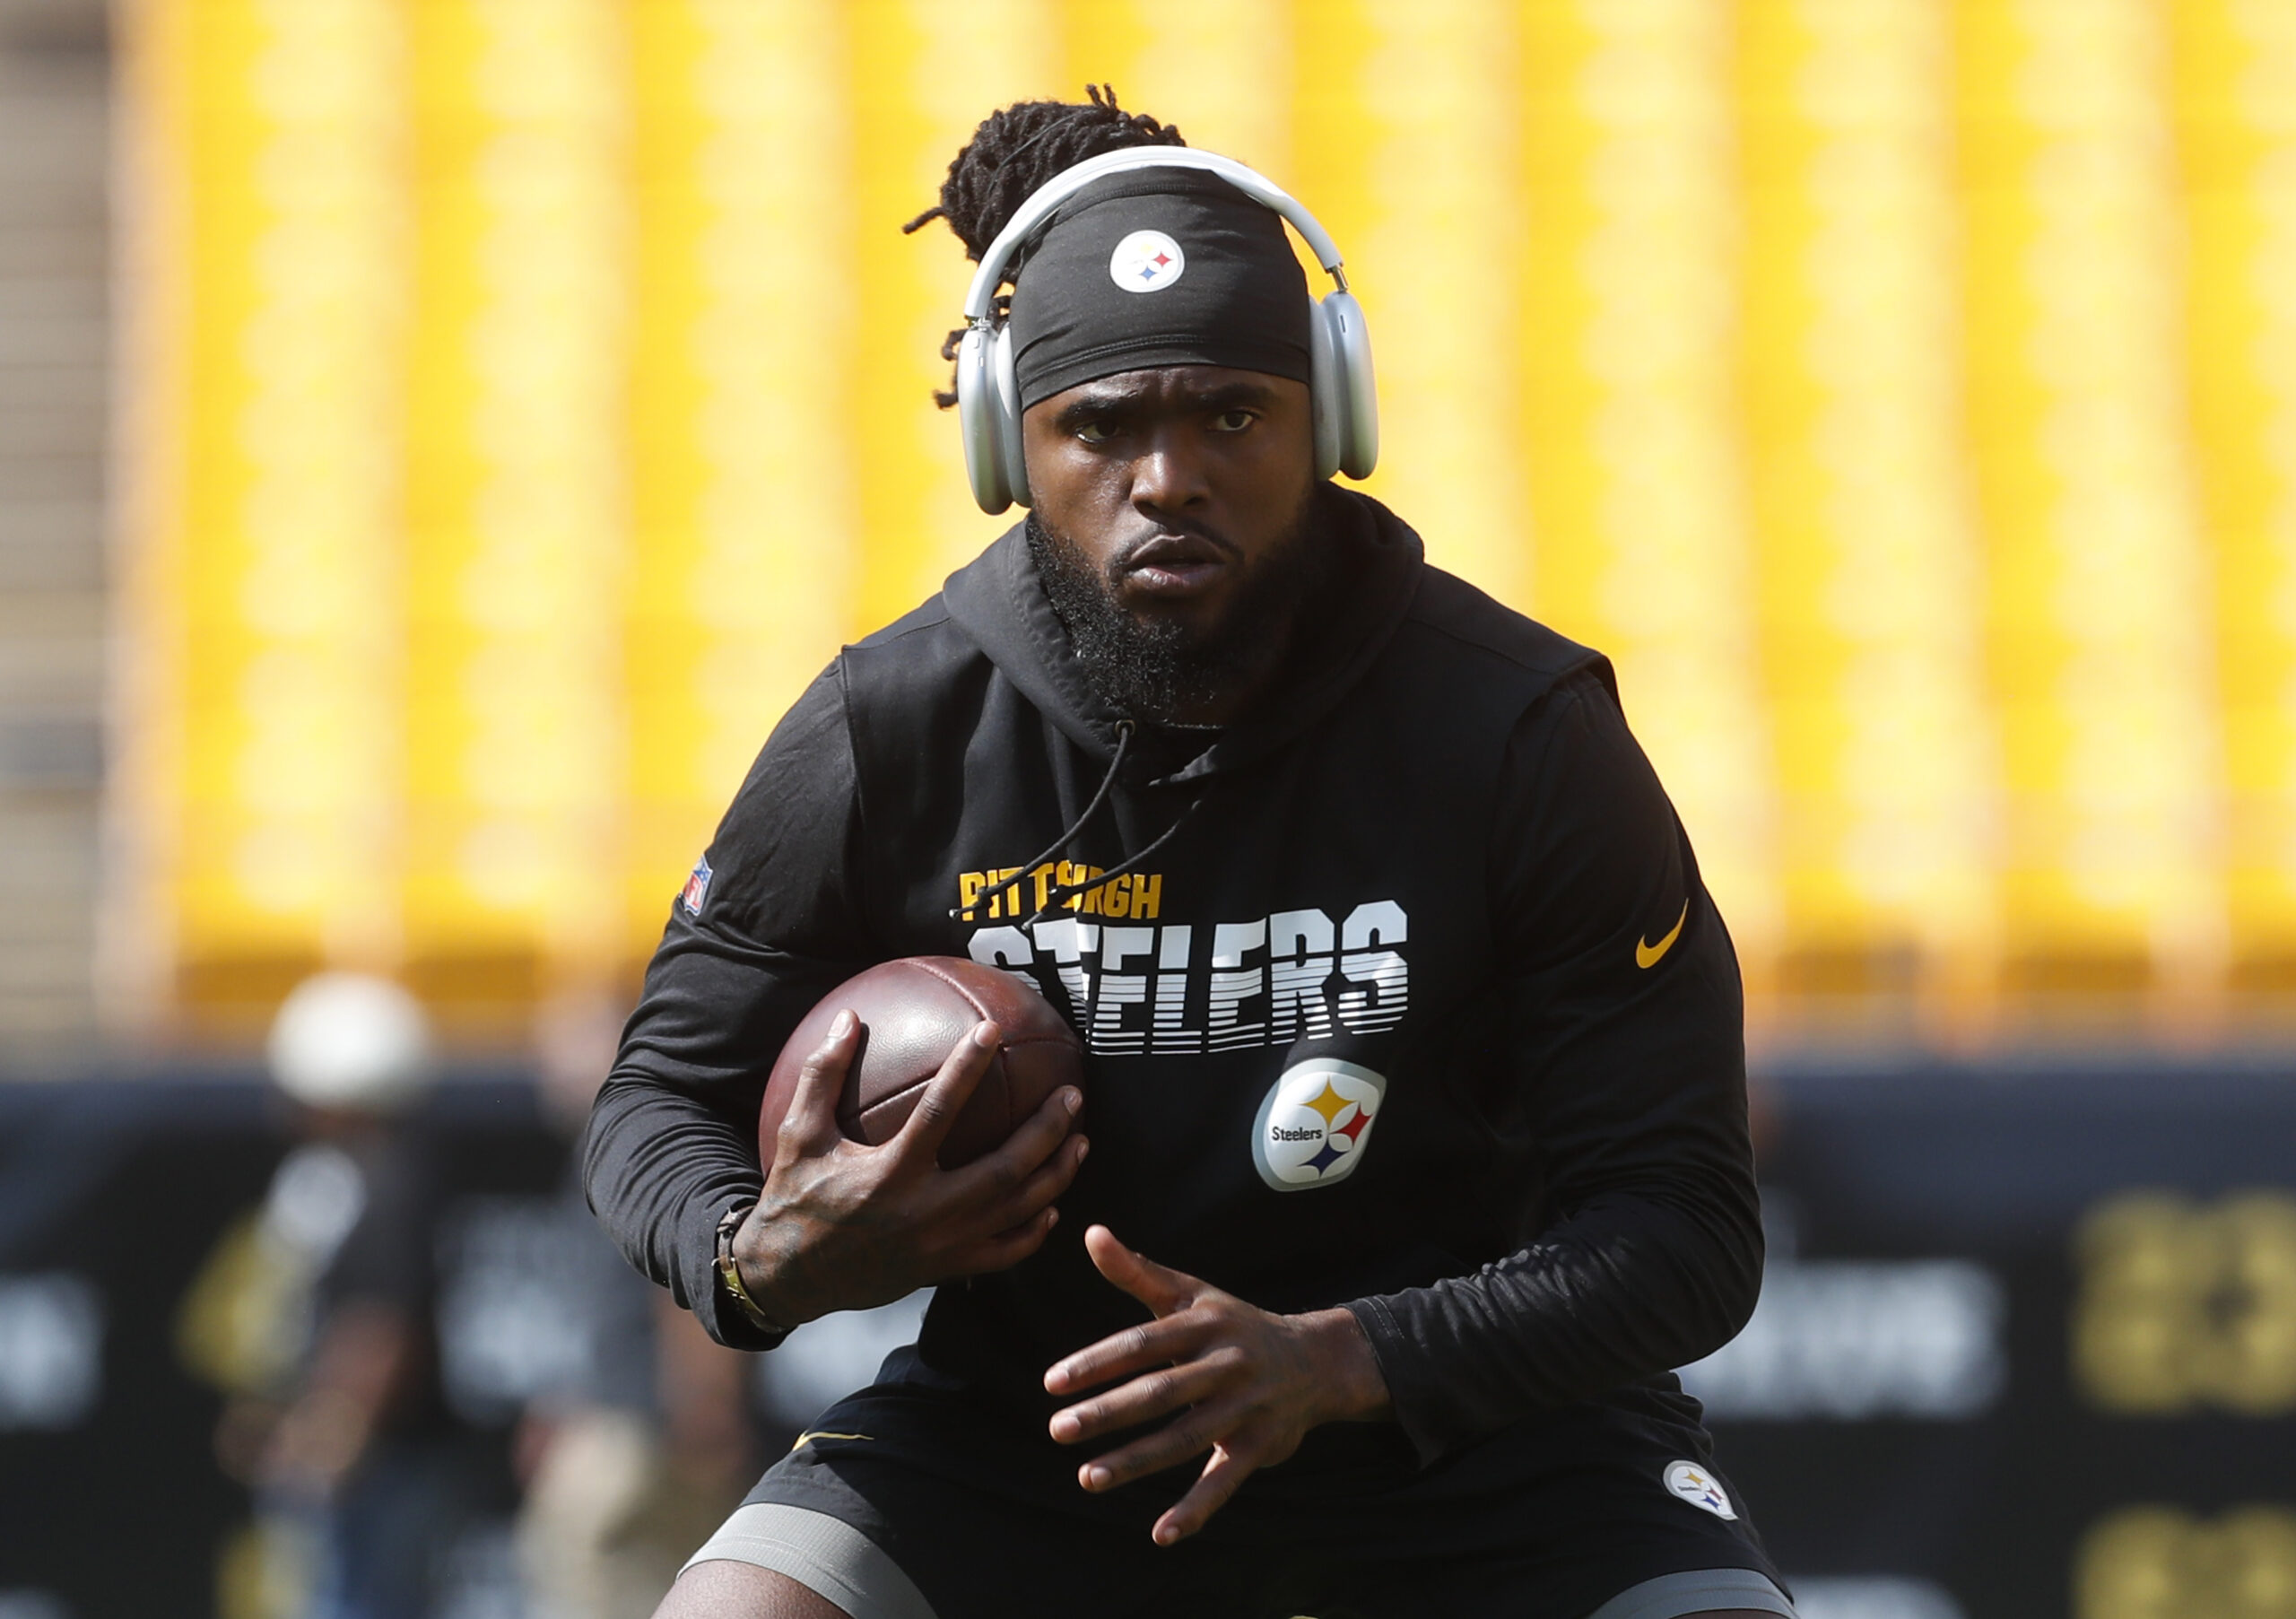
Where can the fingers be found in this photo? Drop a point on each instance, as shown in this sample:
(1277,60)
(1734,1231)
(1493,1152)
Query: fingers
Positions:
(812,1118)
(1139,1348)
(1188,1435)
(1039,1190)
(1222,1476)
(1166,1292)
(1163,1290)
(1145,1398)
(1005,1249)
(1016,1224)
(929,1122)
(1035,1142)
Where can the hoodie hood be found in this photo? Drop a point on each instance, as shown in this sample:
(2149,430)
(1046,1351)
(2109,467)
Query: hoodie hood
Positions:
(1000,604)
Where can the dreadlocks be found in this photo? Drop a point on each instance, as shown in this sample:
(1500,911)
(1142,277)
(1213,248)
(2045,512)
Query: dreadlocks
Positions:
(1018,148)
(1015,151)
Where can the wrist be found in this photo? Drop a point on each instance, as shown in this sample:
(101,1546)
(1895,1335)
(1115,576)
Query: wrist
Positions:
(1348,1369)
(739,1285)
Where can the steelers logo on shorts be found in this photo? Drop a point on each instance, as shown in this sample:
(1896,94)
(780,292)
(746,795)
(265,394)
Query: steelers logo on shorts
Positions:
(1693,1484)
(1146,261)
(1314,1125)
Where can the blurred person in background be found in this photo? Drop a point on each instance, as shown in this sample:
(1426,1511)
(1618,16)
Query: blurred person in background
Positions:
(360,1475)
(645,1444)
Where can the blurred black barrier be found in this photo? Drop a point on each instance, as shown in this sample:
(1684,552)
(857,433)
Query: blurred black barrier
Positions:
(2027,1348)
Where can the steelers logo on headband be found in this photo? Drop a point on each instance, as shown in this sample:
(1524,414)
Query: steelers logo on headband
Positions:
(1157,267)
(1146,261)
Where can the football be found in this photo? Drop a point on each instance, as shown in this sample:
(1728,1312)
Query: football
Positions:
(913,1012)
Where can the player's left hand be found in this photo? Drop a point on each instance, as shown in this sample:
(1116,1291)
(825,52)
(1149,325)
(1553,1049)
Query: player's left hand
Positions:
(1248,1384)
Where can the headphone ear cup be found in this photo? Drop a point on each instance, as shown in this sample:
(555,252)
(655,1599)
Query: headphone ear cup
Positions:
(1008,419)
(1355,398)
(978,409)
(1326,392)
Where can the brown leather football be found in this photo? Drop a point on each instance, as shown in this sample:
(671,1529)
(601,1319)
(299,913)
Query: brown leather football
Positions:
(913,1012)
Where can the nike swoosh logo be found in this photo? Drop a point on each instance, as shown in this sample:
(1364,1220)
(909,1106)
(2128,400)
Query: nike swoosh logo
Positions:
(1647,956)
(808,1437)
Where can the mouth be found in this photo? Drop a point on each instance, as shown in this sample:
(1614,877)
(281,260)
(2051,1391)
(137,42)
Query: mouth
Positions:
(1173,566)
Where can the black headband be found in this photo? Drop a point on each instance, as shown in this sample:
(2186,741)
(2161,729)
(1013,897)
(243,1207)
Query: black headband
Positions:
(1156,267)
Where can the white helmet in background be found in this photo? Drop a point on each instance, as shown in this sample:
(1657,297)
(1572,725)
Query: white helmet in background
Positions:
(349,1042)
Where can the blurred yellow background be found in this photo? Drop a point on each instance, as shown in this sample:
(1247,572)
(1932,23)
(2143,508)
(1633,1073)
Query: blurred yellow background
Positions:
(528,397)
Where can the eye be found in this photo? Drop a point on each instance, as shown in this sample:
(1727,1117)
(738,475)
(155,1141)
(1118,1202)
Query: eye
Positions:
(1094,431)
(1233,421)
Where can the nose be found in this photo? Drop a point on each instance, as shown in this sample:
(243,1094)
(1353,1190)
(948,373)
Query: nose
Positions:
(1170,474)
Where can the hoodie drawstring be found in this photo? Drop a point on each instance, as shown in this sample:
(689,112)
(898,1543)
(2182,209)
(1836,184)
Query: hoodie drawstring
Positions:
(1060,892)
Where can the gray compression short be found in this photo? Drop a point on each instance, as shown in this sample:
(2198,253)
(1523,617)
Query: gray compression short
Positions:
(830,1558)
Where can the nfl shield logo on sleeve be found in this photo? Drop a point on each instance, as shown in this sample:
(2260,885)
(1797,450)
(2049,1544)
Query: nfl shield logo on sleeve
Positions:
(696,887)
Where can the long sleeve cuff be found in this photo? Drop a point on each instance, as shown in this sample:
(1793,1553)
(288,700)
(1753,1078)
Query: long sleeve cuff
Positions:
(1421,1419)
(720,1315)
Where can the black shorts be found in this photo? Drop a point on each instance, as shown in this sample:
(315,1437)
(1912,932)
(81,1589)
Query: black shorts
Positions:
(1549,1520)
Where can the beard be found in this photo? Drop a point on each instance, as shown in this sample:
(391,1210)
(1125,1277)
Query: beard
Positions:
(1153,667)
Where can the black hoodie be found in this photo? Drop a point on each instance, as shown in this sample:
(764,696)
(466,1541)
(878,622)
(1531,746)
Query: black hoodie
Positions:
(1420,1009)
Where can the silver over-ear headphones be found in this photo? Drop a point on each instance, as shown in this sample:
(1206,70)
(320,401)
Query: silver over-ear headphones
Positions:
(989,398)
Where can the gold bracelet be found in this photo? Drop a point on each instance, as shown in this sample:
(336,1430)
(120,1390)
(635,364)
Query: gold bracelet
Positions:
(729,1272)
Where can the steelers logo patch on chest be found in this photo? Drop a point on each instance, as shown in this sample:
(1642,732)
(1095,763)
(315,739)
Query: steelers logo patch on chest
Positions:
(1146,261)
(1314,1125)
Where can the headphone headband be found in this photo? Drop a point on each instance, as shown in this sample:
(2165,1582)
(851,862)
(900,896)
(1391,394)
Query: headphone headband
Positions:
(981,299)
(1345,411)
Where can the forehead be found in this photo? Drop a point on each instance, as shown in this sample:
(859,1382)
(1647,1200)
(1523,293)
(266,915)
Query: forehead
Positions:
(1173,387)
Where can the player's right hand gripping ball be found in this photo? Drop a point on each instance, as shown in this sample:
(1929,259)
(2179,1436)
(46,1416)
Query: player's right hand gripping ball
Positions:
(913,1012)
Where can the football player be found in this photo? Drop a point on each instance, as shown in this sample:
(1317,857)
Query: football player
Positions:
(1416,1114)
